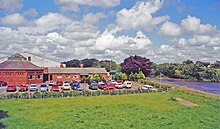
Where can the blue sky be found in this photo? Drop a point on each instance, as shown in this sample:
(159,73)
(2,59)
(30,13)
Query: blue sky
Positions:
(162,30)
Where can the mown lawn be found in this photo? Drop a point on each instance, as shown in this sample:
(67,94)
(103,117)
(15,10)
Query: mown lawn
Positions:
(140,111)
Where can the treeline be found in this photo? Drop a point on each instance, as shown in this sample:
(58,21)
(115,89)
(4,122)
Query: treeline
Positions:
(107,64)
(187,70)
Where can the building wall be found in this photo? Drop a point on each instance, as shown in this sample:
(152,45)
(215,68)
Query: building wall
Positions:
(19,76)
(71,77)
(40,61)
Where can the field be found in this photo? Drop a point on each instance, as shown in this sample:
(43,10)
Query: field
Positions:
(140,111)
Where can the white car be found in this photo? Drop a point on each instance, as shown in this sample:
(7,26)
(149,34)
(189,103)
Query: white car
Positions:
(119,86)
(43,88)
(127,84)
(51,83)
(33,87)
(114,82)
(66,86)
(149,87)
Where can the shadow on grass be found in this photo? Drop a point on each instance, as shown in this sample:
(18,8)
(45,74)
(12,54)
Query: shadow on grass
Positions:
(3,114)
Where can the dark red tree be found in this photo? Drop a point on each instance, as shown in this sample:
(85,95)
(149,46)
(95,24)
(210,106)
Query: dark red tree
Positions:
(135,64)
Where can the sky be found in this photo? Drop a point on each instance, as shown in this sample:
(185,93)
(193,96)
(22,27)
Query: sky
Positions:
(168,31)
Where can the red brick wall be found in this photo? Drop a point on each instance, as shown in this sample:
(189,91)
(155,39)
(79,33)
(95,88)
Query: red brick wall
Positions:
(19,77)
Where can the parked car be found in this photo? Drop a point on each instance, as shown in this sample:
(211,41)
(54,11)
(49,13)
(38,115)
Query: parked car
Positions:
(101,85)
(93,86)
(23,88)
(114,82)
(43,88)
(127,84)
(109,88)
(2,83)
(80,90)
(59,83)
(11,88)
(75,85)
(66,86)
(33,87)
(92,81)
(55,88)
(119,86)
(68,81)
(149,87)
(110,84)
(120,81)
(51,83)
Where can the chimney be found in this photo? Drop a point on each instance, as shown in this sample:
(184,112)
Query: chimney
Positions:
(61,66)
(81,65)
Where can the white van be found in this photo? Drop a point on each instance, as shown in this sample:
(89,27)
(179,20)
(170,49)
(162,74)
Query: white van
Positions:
(127,84)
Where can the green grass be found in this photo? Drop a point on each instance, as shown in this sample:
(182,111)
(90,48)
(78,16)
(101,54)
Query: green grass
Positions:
(140,111)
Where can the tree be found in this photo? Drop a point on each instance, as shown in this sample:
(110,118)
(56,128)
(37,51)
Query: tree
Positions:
(96,77)
(135,64)
(123,76)
(141,75)
(83,79)
(117,76)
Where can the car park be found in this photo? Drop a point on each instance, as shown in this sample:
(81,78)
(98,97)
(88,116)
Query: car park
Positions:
(75,85)
(59,83)
(51,83)
(119,86)
(93,86)
(23,87)
(66,86)
(33,87)
(55,88)
(114,82)
(11,88)
(3,83)
(43,88)
(101,85)
(127,84)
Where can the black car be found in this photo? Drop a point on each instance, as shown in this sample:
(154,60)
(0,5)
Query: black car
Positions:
(2,83)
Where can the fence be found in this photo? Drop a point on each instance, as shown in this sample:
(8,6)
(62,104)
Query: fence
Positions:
(42,95)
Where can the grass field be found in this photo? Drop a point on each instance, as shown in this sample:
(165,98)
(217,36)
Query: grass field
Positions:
(140,111)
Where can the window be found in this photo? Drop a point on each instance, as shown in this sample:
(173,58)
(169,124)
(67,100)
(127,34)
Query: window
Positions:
(75,75)
(39,76)
(59,76)
(8,73)
(29,58)
(67,76)
(30,76)
(20,73)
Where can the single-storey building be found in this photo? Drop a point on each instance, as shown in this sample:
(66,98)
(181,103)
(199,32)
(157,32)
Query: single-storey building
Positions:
(65,73)
(17,70)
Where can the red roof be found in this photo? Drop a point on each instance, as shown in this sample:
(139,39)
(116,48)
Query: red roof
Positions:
(18,65)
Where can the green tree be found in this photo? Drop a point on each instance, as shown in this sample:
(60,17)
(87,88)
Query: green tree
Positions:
(141,75)
(96,77)
(123,76)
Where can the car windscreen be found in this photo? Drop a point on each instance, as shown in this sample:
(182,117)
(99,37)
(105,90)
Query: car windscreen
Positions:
(43,85)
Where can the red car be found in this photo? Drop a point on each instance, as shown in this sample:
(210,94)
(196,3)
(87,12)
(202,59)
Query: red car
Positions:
(23,88)
(120,81)
(55,88)
(111,85)
(11,88)
(59,83)
(101,85)
(2,83)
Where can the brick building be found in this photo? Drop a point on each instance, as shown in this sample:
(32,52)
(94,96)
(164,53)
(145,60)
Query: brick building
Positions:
(17,70)
(71,74)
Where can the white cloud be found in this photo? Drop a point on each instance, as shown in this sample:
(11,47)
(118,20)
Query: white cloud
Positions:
(140,16)
(73,5)
(92,18)
(31,12)
(46,23)
(170,29)
(188,26)
(11,4)
(14,20)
